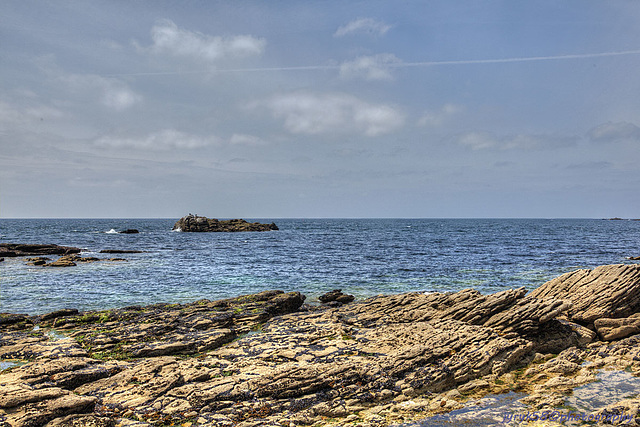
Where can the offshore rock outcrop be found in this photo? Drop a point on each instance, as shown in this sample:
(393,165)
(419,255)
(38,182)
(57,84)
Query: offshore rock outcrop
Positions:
(194,223)
(268,360)
(21,249)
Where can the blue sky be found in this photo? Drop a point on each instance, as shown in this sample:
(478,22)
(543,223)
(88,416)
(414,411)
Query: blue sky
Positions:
(320,109)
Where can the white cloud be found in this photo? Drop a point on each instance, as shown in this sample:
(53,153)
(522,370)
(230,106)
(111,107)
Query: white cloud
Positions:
(242,139)
(376,67)
(112,93)
(610,131)
(481,140)
(167,139)
(439,117)
(168,38)
(120,98)
(363,25)
(309,113)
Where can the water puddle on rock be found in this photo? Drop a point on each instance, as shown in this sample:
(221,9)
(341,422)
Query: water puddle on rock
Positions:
(55,335)
(7,364)
(504,409)
(488,411)
(609,387)
(52,334)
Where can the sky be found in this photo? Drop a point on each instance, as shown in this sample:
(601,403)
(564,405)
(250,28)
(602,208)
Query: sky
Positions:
(290,109)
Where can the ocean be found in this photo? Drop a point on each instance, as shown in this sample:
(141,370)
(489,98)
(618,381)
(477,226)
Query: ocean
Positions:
(363,257)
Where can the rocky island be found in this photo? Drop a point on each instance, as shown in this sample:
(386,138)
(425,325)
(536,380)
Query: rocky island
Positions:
(269,359)
(194,223)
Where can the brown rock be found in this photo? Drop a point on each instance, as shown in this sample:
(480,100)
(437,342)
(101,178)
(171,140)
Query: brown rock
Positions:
(59,313)
(336,295)
(256,360)
(62,262)
(615,329)
(610,291)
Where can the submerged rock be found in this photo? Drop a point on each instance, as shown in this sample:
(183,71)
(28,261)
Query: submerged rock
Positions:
(193,223)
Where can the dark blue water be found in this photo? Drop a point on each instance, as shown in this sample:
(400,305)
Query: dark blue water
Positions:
(361,256)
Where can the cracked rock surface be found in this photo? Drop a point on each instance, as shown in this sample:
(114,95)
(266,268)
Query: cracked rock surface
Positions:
(269,360)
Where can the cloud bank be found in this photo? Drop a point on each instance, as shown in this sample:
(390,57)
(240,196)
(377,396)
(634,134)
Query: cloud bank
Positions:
(311,113)
(167,139)
(610,131)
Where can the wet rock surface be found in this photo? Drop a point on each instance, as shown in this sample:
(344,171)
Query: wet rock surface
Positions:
(19,250)
(67,260)
(194,223)
(269,360)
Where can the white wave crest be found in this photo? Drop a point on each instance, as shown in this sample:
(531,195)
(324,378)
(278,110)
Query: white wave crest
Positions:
(177,230)
(112,231)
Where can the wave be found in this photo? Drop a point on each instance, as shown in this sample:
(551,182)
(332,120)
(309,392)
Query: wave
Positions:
(177,230)
(112,231)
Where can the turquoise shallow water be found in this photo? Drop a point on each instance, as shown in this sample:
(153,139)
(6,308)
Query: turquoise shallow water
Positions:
(360,256)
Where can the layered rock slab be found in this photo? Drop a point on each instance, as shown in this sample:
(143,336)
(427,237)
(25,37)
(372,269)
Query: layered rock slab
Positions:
(299,366)
(260,360)
(609,291)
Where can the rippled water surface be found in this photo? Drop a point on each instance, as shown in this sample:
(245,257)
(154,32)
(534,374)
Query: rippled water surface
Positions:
(360,256)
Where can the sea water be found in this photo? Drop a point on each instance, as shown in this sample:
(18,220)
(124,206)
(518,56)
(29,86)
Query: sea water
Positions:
(363,257)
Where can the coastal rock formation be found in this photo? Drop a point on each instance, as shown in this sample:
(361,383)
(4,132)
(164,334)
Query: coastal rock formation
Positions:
(609,291)
(19,250)
(269,360)
(194,223)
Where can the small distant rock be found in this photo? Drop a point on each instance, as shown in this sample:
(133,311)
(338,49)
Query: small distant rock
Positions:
(20,249)
(634,258)
(67,261)
(120,251)
(1,259)
(62,262)
(194,223)
(337,296)
(129,231)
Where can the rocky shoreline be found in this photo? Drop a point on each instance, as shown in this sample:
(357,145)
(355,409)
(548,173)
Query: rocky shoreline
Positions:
(269,359)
